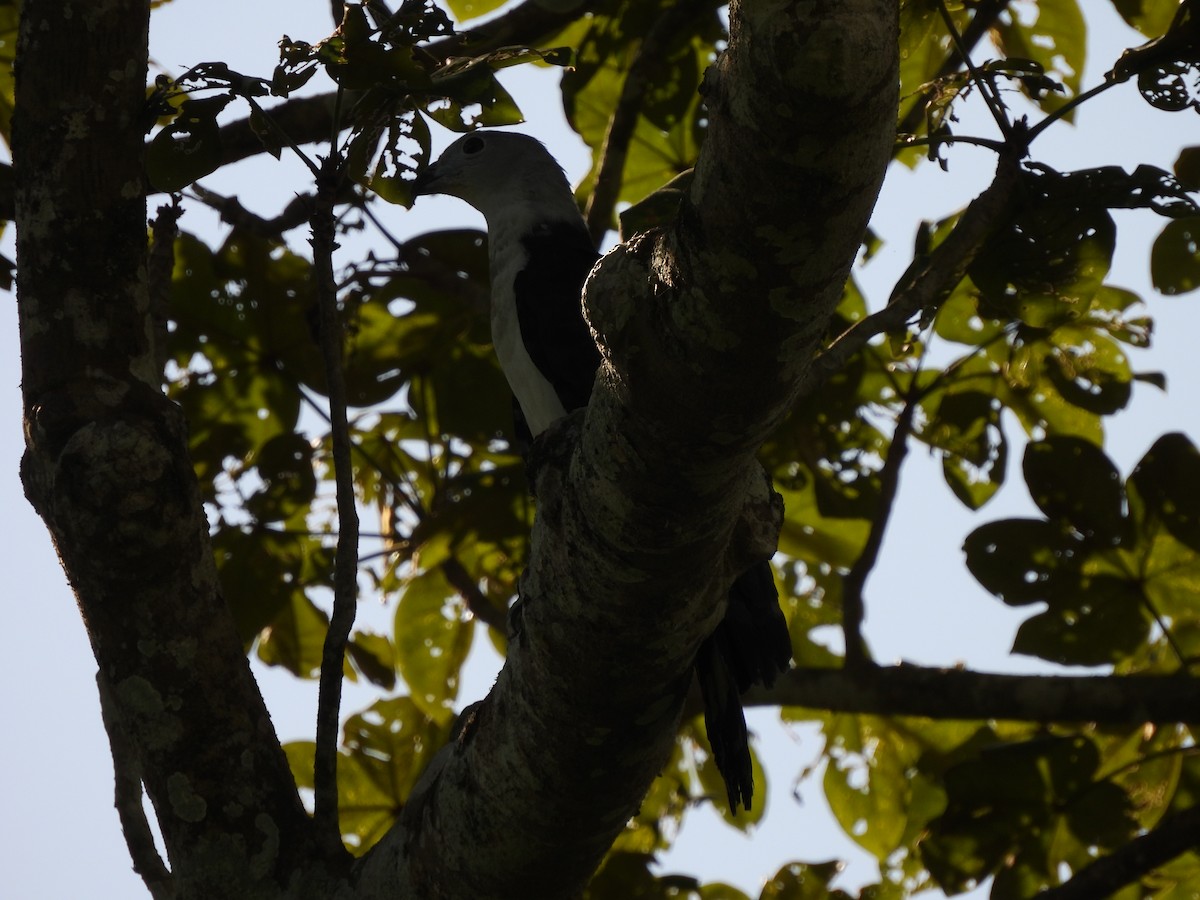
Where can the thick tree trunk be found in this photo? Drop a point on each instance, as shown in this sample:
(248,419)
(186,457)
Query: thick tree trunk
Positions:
(106,464)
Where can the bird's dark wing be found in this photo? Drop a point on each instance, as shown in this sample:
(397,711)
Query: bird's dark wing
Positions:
(549,310)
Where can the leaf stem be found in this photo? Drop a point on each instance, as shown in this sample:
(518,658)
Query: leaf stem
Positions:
(987,88)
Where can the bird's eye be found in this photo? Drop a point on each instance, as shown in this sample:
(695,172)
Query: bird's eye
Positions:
(472,145)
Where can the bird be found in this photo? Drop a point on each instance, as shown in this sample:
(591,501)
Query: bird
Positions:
(540,254)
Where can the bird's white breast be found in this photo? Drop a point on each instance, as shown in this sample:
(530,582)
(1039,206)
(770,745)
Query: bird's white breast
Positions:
(539,402)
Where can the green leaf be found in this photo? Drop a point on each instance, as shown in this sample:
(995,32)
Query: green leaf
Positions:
(1150,17)
(1048,265)
(656,209)
(966,427)
(1175,257)
(464,10)
(661,813)
(1167,484)
(670,126)
(959,318)
(357,60)
(295,638)
(1101,621)
(1024,560)
(1187,168)
(626,874)
(432,637)
(190,147)
(385,750)
(374,656)
(1072,481)
(804,881)
(1056,39)
(867,790)
(263,572)
(1006,807)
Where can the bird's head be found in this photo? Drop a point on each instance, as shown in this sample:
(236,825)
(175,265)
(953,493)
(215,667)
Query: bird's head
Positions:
(500,173)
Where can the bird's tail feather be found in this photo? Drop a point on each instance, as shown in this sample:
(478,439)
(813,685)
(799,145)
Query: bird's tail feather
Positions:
(751,645)
(753,637)
(725,724)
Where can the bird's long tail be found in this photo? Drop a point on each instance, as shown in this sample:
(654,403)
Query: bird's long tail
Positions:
(750,646)
(725,724)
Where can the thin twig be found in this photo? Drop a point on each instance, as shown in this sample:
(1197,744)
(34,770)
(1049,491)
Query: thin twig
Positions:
(296,213)
(1063,110)
(930,279)
(287,139)
(987,88)
(127,798)
(943,694)
(404,490)
(985,16)
(939,139)
(345,588)
(853,605)
(621,125)
(307,119)
(1128,864)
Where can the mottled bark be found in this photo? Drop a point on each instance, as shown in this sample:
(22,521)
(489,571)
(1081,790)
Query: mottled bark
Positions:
(106,463)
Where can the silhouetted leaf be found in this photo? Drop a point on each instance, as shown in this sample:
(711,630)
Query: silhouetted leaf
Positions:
(804,881)
(1024,560)
(295,638)
(190,147)
(1072,481)
(375,657)
(289,484)
(1167,481)
(1175,257)
(1100,620)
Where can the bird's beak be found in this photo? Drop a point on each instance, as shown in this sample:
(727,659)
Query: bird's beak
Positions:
(425,179)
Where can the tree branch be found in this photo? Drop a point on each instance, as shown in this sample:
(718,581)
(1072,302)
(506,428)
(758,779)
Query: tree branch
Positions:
(345,588)
(296,213)
(930,279)
(127,798)
(621,125)
(1172,836)
(960,694)
(853,605)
